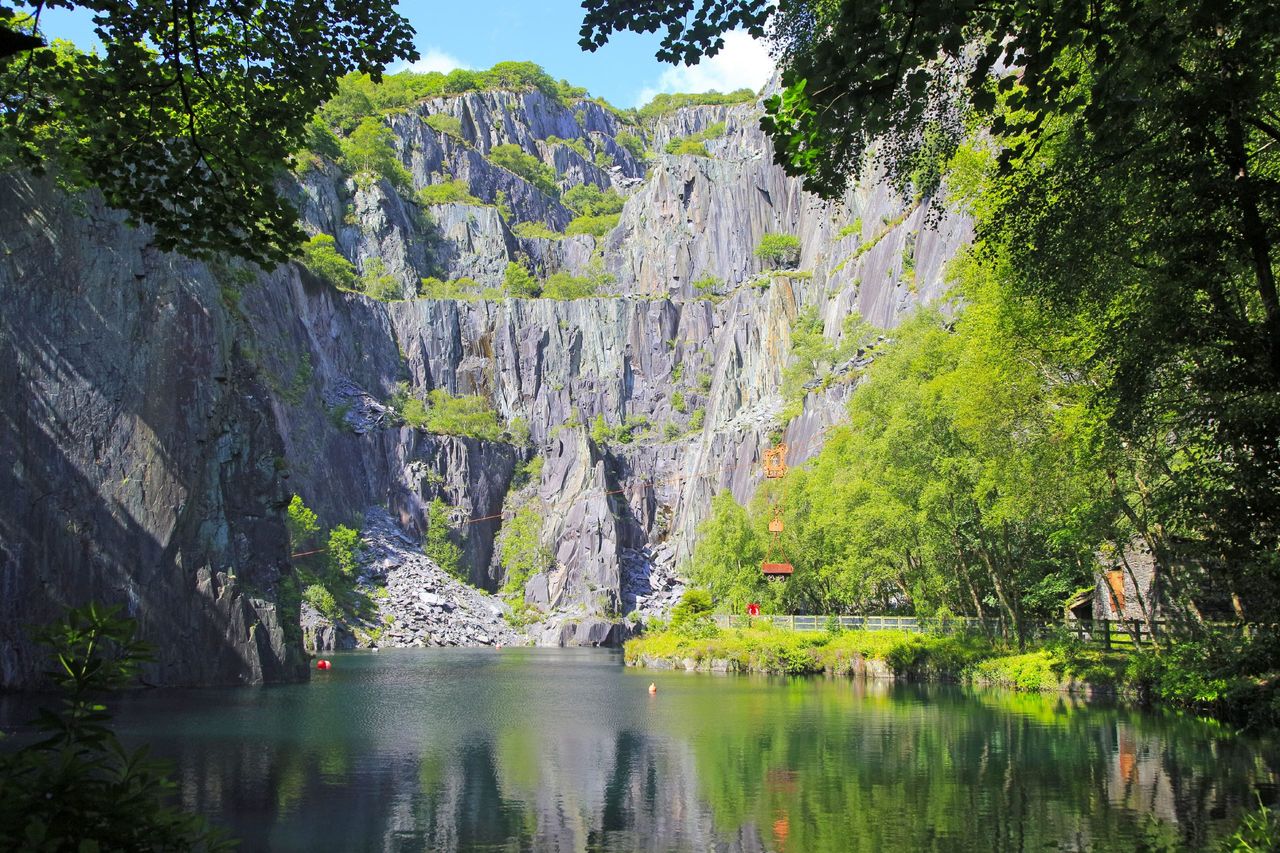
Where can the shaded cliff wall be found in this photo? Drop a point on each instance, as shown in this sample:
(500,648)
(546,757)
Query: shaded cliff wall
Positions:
(138,455)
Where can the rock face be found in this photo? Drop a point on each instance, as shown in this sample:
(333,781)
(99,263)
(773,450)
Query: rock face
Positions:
(159,413)
(138,456)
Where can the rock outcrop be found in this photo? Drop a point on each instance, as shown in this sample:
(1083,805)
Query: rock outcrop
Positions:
(160,412)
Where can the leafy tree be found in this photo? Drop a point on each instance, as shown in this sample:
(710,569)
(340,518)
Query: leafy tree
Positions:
(186,120)
(370,151)
(596,226)
(302,522)
(78,788)
(466,415)
(728,555)
(454,191)
(438,543)
(320,255)
(520,547)
(778,250)
(632,143)
(519,281)
(376,282)
(590,200)
(344,542)
(514,159)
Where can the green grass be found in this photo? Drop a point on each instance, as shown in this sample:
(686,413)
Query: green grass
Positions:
(922,656)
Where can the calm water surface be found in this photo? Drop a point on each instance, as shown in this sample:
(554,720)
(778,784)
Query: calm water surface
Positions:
(533,749)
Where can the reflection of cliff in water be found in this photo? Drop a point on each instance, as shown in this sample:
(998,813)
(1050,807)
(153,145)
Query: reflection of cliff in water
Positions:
(557,751)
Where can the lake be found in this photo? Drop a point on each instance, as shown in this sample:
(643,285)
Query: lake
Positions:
(558,749)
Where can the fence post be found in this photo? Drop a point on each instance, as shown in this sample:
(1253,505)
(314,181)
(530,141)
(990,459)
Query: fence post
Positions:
(1106,634)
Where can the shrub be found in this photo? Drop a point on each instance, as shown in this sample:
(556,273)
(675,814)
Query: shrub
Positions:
(632,143)
(708,285)
(376,282)
(370,150)
(343,544)
(665,103)
(453,191)
(519,281)
(697,419)
(514,159)
(687,147)
(467,415)
(522,554)
(561,285)
(438,544)
(320,255)
(76,787)
(301,522)
(458,288)
(446,124)
(590,200)
(694,144)
(780,250)
(322,600)
(678,401)
(596,226)
(535,230)
(854,227)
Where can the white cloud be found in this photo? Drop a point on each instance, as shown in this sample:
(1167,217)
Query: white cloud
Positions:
(431,60)
(743,62)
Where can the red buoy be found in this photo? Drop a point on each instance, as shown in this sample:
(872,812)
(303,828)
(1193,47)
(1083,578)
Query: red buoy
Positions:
(322,664)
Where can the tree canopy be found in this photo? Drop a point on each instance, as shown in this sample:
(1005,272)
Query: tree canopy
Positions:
(189,114)
(1122,162)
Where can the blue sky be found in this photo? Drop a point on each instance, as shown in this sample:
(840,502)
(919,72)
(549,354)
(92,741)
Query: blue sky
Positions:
(478,33)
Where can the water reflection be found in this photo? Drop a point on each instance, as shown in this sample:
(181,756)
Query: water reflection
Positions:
(564,750)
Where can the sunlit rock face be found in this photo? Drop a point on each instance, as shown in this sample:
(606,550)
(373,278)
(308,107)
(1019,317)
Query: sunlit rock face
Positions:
(159,412)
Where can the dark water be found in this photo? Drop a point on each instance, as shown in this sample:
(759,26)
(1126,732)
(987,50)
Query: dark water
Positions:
(528,749)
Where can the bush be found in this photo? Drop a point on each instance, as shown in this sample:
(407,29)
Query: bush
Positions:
(77,787)
(453,191)
(564,286)
(446,124)
(344,542)
(467,415)
(370,150)
(322,600)
(687,148)
(664,103)
(779,250)
(320,255)
(698,418)
(692,604)
(514,159)
(694,144)
(590,200)
(596,226)
(535,231)
(458,288)
(302,523)
(632,143)
(377,283)
(438,544)
(519,281)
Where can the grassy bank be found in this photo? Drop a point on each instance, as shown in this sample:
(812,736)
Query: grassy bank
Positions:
(881,653)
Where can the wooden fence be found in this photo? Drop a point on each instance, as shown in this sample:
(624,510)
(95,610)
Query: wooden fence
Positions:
(1119,634)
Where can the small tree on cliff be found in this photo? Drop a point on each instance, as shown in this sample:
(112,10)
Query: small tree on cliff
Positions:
(438,543)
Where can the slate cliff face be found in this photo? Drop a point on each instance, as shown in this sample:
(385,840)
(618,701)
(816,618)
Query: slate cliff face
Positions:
(137,459)
(158,414)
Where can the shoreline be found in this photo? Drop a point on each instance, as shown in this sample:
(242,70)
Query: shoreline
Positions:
(890,655)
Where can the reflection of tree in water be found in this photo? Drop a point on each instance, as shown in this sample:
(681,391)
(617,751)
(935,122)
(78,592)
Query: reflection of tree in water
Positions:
(505,759)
